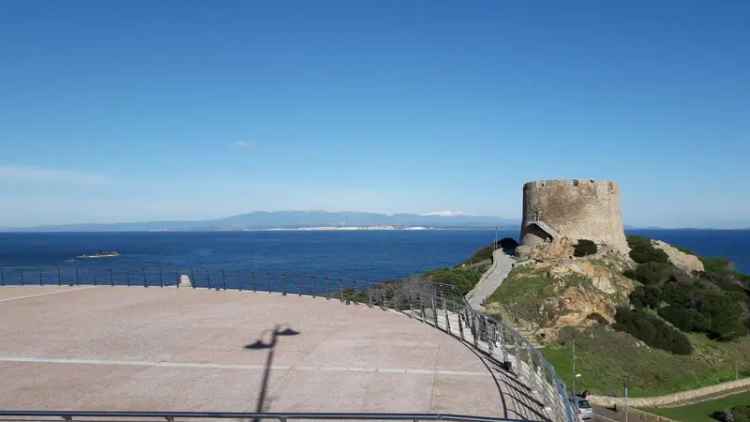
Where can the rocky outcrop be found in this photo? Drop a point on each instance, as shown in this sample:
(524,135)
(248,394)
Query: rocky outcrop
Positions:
(684,261)
(544,296)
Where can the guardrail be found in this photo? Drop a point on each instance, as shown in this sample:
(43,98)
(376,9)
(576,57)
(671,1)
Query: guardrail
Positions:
(539,394)
(96,416)
(157,276)
(543,395)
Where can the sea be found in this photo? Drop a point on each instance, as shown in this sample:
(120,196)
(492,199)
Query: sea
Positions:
(303,261)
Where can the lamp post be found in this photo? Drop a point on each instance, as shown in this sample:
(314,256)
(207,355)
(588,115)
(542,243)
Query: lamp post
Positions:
(271,346)
(575,375)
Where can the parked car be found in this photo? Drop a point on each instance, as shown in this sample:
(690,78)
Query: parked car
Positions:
(583,408)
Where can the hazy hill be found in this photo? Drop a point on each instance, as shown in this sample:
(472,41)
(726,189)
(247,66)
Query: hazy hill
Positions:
(260,220)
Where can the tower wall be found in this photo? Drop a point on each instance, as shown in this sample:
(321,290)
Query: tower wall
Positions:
(576,209)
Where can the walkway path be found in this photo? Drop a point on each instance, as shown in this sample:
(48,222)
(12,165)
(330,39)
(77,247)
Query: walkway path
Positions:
(491,280)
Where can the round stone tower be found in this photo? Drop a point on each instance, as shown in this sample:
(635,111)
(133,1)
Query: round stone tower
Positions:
(576,209)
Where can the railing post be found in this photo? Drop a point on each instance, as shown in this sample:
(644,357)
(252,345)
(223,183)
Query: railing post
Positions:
(434,311)
(475,322)
(461,325)
(447,320)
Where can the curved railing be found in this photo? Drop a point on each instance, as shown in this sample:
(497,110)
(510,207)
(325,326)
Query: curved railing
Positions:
(546,396)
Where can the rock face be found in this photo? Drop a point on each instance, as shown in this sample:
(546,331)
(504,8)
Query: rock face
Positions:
(684,261)
(573,209)
(543,296)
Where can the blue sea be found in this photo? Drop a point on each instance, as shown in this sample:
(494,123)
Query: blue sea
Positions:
(298,260)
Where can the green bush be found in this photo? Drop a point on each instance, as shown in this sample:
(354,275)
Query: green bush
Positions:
(651,273)
(652,330)
(508,244)
(716,264)
(741,413)
(463,279)
(724,314)
(642,251)
(685,319)
(480,255)
(584,247)
(646,297)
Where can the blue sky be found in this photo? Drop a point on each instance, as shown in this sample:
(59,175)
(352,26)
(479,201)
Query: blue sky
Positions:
(146,110)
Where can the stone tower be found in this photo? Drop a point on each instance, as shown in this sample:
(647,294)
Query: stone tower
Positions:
(573,209)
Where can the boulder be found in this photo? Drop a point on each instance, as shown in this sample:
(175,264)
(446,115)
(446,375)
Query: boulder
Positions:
(684,261)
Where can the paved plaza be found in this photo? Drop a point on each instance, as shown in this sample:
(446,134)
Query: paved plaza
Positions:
(135,348)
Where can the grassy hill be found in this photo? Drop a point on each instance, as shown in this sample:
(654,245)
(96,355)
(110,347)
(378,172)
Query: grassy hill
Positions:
(675,331)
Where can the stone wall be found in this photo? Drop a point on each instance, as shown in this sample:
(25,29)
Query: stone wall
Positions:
(576,209)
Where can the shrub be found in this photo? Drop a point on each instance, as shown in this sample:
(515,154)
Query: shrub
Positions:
(584,247)
(648,296)
(741,413)
(482,254)
(463,279)
(652,273)
(685,319)
(678,294)
(652,330)
(508,244)
(641,250)
(716,264)
(724,315)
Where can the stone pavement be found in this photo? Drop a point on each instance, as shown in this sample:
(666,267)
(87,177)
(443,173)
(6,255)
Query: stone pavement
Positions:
(135,348)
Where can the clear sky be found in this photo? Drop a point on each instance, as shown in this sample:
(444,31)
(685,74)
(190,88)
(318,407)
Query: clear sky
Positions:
(148,110)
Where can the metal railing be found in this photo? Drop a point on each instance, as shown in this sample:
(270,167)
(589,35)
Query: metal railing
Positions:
(113,416)
(535,392)
(162,276)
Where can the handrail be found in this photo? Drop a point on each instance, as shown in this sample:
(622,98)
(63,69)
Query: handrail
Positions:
(281,416)
(493,337)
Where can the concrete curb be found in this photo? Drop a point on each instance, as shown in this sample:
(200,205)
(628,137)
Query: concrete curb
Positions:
(672,399)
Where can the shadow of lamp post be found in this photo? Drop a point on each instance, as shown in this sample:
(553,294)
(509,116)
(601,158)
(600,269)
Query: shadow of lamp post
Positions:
(271,346)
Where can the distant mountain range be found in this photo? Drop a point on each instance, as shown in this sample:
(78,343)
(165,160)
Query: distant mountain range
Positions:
(323,220)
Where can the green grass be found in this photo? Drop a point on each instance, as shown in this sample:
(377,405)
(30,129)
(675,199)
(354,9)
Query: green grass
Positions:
(462,278)
(606,358)
(700,412)
(523,291)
